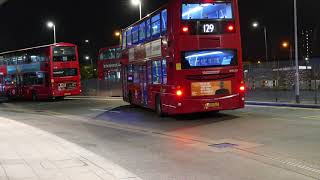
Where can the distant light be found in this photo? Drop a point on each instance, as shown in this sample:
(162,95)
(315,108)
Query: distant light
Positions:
(136,2)
(50,24)
(307,59)
(255,24)
(86,41)
(259,62)
(87,57)
(285,44)
(117,34)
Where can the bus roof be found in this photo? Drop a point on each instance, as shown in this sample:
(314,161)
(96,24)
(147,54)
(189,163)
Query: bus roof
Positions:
(37,47)
(146,17)
(107,48)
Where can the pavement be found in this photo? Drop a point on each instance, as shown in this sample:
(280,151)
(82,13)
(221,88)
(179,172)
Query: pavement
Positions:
(95,137)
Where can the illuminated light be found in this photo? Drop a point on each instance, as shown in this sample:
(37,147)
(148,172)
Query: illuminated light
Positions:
(117,34)
(52,80)
(230,28)
(285,44)
(204,54)
(179,93)
(50,24)
(255,24)
(185,29)
(136,2)
(242,88)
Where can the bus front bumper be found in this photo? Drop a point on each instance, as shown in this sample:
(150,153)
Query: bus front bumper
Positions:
(187,106)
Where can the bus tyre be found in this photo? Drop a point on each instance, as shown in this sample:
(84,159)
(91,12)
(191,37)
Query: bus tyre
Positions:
(130,98)
(34,96)
(159,107)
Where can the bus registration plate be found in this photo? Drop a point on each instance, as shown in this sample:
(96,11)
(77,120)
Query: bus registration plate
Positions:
(212,105)
(67,94)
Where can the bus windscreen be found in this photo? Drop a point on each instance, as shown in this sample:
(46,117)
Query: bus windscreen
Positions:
(62,54)
(209,58)
(207,11)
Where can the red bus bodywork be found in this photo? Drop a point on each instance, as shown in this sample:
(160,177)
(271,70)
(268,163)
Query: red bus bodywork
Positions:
(109,63)
(184,89)
(44,72)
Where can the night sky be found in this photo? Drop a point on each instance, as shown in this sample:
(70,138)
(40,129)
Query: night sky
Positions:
(23,23)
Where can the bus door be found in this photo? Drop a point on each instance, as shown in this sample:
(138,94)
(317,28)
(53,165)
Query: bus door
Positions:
(143,84)
(125,81)
(2,84)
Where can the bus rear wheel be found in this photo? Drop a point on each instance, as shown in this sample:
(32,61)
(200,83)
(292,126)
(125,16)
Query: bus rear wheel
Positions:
(34,96)
(159,107)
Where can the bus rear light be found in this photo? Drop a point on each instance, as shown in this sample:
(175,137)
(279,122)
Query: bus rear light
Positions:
(179,93)
(242,88)
(230,28)
(185,29)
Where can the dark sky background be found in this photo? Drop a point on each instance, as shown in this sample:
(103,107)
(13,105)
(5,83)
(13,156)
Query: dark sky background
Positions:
(23,22)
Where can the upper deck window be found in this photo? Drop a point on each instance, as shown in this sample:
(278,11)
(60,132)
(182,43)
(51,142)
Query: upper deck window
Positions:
(207,11)
(64,54)
(155,25)
(164,18)
(142,31)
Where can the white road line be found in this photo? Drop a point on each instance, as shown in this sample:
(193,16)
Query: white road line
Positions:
(277,107)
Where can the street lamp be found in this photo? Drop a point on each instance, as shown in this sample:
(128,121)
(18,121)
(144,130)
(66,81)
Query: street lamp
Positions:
(138,3)
(88,58)
(117,34)
(256,25)
(51,25)
(286,45)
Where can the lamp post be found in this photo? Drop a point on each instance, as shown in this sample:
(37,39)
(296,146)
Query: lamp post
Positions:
(88,58)
(256,25)
(51,25)
(297,86)
(286,45)
(138,3)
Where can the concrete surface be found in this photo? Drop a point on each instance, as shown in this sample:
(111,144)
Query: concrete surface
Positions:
(269,142)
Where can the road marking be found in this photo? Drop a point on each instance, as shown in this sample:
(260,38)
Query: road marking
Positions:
(95,99)
(312,117)
(277,107)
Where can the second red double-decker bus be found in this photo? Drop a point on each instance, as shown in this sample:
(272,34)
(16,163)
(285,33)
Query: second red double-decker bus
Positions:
(44,72)
(185,58)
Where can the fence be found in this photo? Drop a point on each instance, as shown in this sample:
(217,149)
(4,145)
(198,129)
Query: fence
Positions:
(275,82)
(95,87)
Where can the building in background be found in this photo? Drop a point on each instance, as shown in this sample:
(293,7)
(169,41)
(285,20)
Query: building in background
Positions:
(306,40)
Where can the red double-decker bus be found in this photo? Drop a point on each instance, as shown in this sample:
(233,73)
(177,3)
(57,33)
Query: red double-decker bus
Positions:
(109,63)
(185,58)
(44,72)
